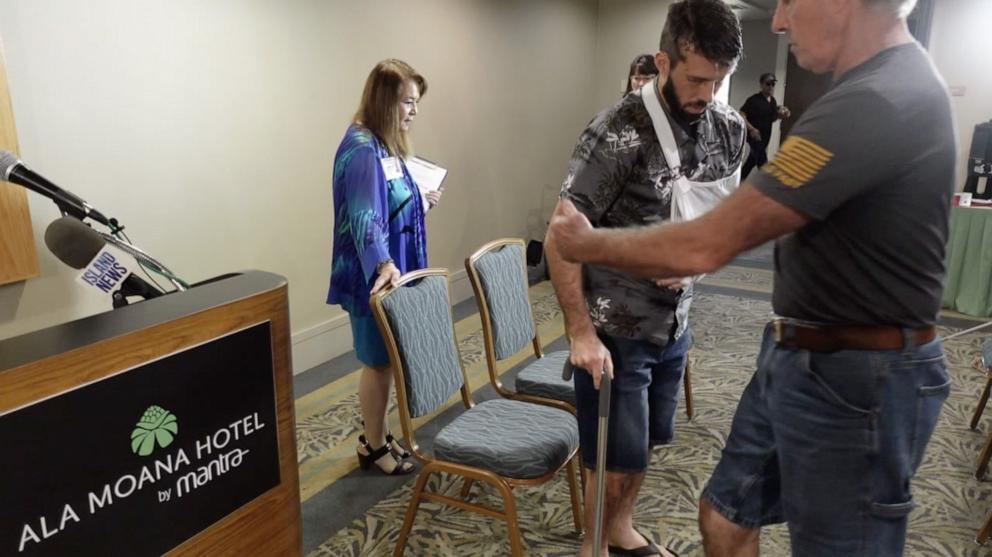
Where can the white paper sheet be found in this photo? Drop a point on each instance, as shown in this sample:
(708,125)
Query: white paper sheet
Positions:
(426,174)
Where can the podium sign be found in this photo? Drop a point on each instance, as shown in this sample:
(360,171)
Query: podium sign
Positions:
(140,461)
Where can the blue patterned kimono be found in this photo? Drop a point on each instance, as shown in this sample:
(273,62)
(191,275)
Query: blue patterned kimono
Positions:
(374,220)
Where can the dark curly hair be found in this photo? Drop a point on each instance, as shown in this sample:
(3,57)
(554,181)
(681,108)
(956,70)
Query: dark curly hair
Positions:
(708,27)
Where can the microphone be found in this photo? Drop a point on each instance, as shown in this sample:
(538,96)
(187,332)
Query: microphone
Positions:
(15,171)
(80,247)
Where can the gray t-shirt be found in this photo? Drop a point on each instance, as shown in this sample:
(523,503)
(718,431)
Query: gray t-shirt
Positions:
(872,163)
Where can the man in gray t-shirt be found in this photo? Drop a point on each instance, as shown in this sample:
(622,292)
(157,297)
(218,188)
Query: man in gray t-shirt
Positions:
(850,381)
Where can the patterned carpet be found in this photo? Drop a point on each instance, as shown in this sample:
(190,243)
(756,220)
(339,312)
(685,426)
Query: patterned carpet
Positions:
(951,503)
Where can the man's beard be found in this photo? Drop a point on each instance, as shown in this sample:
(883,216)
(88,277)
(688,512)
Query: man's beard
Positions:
(675,106)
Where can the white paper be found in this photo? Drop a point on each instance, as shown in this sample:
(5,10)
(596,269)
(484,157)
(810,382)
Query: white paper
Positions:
(426,174)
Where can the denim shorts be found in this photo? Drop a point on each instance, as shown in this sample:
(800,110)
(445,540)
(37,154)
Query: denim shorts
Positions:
(828,443)
(647,379)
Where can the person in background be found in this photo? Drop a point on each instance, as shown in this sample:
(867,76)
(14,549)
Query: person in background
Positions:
(760,110)
(378,236)
(624,171)
(642,71)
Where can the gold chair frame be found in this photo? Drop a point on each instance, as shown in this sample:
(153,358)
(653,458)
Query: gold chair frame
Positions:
(983,457)
(985,532)
(504,485)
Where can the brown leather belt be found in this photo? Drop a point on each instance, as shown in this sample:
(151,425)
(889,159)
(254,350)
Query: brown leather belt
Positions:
(830,338)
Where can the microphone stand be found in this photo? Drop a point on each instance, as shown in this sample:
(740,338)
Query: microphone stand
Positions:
(144,258)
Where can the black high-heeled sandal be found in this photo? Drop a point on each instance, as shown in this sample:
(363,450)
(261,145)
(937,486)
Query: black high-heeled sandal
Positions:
(365,461)
(399,451)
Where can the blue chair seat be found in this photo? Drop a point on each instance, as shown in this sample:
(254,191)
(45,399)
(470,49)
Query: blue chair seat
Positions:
(515,439)
(543,378)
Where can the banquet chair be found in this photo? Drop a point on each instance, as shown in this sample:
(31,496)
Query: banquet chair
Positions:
(504,443)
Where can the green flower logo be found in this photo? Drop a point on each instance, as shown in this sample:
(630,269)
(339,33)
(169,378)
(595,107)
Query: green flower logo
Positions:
(157,425)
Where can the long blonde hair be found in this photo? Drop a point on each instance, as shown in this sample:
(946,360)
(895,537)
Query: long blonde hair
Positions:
(379,110)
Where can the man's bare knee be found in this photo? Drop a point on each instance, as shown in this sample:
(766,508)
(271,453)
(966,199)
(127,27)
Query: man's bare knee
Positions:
(723,538)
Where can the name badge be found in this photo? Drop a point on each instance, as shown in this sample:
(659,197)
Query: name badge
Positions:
(391,168)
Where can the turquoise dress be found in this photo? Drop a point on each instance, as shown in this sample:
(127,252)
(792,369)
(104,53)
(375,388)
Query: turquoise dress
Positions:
(374,219)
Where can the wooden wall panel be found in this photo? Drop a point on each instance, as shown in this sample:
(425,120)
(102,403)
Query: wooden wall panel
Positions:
(18,260)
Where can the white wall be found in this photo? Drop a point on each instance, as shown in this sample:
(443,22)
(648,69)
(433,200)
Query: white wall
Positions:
(959,45)
(209,128)
(626,28)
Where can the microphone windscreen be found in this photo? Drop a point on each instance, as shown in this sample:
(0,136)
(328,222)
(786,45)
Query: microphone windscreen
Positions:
(74,243)
(7,162)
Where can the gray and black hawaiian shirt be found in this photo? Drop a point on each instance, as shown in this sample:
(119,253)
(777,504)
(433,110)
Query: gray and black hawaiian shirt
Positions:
(618,177)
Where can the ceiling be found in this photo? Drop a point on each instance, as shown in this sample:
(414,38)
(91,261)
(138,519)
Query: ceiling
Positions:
(753,9)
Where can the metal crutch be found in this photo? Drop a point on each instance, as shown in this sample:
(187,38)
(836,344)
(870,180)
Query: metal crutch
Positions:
(602,434)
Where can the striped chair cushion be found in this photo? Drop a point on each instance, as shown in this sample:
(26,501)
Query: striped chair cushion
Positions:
(511,438)
(543,378)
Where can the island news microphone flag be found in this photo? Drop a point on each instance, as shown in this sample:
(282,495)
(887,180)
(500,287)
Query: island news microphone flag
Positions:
(105,267)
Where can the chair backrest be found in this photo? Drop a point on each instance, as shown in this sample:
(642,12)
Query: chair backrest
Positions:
(415,321)
(498,268)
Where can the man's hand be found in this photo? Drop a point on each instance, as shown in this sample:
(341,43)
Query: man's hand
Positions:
(784,112)
(754,133)
(388,274)
(433,197)
(671,283)
(571,229)
(588,353)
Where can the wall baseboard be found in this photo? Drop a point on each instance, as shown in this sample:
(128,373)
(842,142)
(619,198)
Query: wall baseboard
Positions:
(325,341)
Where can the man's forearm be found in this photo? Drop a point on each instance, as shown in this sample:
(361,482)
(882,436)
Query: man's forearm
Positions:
(744,220)
(567,280)
(661,251)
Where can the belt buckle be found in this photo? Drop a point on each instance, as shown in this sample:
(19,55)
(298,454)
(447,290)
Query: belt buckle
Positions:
(778,330)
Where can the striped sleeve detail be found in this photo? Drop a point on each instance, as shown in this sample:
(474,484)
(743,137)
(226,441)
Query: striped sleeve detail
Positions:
(798,161)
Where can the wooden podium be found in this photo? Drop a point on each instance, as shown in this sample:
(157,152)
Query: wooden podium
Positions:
(163,427)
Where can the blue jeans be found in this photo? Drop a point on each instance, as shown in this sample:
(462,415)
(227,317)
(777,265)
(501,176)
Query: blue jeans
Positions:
(647,379)
(828,442)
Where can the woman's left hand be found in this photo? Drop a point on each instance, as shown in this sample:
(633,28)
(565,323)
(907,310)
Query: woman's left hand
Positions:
(433,197)
(388,274)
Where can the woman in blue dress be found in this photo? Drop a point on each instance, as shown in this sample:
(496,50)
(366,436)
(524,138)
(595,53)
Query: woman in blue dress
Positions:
(378,235)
